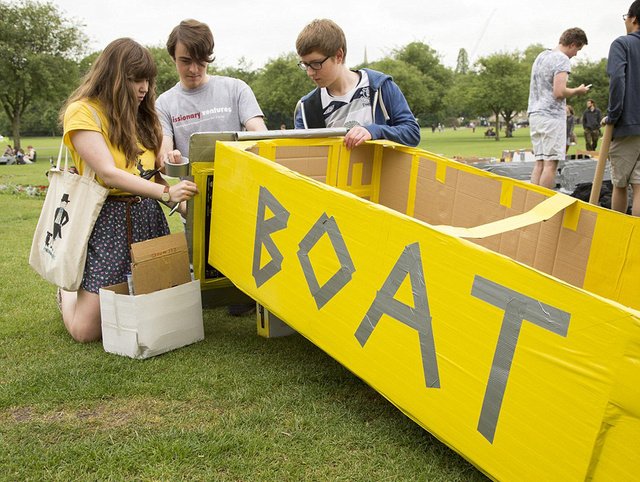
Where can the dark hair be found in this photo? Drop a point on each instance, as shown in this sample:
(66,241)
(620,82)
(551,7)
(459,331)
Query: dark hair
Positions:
(324,36)
(110,81)
(592,101)
(573,36)
(634,10)
(196,37)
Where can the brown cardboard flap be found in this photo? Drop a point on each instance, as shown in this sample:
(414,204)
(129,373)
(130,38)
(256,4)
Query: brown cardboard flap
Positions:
(160,263)
(119,289)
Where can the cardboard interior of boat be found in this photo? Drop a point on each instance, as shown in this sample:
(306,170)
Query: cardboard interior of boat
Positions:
(584,245)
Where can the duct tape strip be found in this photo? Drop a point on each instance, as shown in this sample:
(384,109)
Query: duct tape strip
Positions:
(571,217)
(333,162)
(264,229)
(378,153)
(543,211)
(506,192)
(517,308)
(322,294)
(413,184)
(441,172)
(418,318)
(343,168)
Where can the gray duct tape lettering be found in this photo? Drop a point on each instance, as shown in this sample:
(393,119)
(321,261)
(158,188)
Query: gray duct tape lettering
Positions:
(322,294)
(517,308)
(418,318)
(264,229)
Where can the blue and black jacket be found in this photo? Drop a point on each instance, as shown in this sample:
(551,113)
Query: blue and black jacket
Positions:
(393,120)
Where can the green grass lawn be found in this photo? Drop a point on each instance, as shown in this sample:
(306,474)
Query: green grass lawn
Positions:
(465,143)
(235,407)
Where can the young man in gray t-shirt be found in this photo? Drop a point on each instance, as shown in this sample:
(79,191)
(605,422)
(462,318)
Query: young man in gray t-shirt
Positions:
(201,102)
(547,105)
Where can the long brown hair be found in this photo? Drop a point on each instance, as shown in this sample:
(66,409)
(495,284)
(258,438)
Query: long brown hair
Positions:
(110,81)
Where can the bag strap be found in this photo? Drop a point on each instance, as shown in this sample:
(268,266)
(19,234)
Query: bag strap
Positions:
(88,172)
(60,156)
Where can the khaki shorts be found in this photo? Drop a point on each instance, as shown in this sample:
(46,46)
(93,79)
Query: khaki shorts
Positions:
(625,160)
(549,137)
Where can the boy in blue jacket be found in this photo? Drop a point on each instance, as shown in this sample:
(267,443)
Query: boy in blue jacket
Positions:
(367,102)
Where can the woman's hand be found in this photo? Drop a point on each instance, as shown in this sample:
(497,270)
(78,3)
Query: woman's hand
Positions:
(183,191)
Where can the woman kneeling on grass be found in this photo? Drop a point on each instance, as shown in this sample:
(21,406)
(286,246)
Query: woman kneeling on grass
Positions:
(111,125)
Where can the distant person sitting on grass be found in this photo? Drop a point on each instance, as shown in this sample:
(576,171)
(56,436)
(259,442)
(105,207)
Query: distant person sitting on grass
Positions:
(548,96)
(19,156)
(367,102)
(8,152)
(31,157)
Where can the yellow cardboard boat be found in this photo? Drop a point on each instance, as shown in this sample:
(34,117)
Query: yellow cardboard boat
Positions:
(500,316)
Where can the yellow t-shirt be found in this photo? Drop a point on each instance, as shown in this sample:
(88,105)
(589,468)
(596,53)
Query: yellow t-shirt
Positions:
(78,117)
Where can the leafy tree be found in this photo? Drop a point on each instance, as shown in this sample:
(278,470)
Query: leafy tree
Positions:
(38,53)
(462,66)
(460,100)
(437,78)
(278,86)
(502,86)
(167,74)
(531,53)
(413,85)
(244,71)
(86,62)
(595,73)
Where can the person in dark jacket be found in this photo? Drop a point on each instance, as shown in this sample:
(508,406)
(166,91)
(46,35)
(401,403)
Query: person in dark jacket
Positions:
(367,102)
(623,69)
(591,123)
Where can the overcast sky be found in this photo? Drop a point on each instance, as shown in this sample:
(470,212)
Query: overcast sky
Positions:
(261,30)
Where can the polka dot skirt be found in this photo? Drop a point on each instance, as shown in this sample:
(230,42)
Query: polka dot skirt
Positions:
(108,258)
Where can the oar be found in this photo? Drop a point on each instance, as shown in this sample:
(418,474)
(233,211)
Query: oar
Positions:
(602,164)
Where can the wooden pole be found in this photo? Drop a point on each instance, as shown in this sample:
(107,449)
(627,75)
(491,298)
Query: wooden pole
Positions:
(602,163)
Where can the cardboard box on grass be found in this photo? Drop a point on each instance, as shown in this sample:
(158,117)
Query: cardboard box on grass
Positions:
(167,311)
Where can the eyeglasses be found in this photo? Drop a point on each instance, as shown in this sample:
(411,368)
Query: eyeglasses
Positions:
(624,17)
(315,65)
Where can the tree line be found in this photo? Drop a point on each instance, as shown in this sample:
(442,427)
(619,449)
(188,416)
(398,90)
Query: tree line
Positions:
(43,57)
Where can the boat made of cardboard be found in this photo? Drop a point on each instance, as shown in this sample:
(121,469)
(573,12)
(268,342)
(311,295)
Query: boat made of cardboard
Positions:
(500,316)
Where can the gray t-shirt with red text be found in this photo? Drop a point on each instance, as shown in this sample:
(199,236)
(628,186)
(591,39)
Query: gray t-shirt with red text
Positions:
(222,104)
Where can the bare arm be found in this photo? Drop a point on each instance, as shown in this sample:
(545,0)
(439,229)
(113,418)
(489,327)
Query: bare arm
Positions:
(94,151)
(256,124)
(560,89)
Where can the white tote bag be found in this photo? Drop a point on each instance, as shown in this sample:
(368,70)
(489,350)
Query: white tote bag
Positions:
(70,210)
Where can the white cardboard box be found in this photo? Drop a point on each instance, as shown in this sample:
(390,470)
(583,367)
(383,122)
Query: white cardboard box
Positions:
(147,325)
